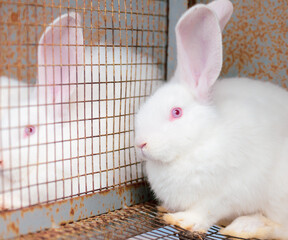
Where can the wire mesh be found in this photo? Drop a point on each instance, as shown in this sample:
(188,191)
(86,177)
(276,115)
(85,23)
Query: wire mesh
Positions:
(73,73)
(138,222)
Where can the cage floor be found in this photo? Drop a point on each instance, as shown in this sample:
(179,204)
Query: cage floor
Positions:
(138,222)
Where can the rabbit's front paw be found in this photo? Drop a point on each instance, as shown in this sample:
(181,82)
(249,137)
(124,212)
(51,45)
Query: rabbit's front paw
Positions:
(187,220)
(253,226)
(162,209)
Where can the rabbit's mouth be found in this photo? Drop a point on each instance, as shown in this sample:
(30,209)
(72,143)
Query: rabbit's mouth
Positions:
(142,154)
(145,156)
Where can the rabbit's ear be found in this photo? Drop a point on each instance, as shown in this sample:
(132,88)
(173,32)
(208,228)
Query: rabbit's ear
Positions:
(223,10)
(199,50)
(60,50)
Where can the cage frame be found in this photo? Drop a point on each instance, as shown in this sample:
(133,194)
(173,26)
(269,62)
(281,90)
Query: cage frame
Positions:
(31,219)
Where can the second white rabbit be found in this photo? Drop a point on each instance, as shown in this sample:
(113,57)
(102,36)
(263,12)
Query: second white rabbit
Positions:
(72,132)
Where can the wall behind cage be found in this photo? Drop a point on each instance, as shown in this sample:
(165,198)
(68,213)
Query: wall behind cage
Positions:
(255,40)
(139,24)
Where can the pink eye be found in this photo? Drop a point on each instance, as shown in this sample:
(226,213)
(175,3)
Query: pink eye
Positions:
(29,130)
(176,112)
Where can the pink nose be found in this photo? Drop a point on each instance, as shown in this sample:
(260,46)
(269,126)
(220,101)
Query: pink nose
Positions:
(142,145)
(1,163)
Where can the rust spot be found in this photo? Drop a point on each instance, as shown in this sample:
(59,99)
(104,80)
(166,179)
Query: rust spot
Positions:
(63,223)
(106,192)
(76,207)
(52,220)
(121,190)
(5,214)
(57,210)
(14,17)
(12,227)
(72,212)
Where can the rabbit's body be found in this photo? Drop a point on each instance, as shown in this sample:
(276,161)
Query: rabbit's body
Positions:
(216,150)
(12,92)
(78,120)
(247,144)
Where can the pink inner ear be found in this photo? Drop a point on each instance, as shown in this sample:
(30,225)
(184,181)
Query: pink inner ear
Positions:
(223,10)
(60,49)
(199,50)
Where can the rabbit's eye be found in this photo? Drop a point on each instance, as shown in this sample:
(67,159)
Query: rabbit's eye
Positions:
(176,112)
(29,130)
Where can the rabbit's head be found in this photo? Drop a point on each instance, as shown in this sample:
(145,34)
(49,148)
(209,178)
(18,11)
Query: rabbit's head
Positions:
(180,113)
(35,119)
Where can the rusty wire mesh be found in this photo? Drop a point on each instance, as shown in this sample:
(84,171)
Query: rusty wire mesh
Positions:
(67,104)
(139,222)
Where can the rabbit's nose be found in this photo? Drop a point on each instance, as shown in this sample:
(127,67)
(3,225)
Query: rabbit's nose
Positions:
(142,145)
(1,163)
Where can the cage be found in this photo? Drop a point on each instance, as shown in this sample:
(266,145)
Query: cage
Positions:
(72,76)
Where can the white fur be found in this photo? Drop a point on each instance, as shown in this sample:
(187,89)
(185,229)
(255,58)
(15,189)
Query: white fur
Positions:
(74,152)
(223,158)
(219,160)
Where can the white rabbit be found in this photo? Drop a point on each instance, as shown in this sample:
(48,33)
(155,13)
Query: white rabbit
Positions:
(9,91)
(59,140)
(216,150)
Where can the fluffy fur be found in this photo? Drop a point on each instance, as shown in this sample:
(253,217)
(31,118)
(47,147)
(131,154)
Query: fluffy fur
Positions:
(227,156)
(75,117)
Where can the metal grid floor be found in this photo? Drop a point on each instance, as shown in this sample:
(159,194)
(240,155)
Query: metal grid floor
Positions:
(139,222)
